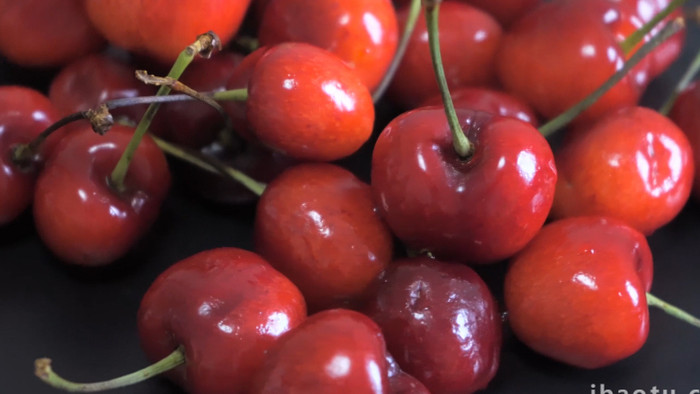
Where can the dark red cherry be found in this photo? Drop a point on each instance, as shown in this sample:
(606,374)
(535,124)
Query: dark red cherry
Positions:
(317,224)
(440,322)
(480,209)
(400,382)
(687,117)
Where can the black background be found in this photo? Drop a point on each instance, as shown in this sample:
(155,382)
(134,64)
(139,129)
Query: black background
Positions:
(86,319)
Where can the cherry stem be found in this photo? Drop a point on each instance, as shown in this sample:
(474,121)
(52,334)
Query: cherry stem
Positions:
(231,95)
(567,116)
(672,310)
(682,85)
(44,372)
(635,38)
(211,164)
(461,144)
(203,46)
(413,13)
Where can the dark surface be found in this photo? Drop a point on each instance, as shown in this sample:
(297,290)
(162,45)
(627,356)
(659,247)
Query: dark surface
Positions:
(86,319)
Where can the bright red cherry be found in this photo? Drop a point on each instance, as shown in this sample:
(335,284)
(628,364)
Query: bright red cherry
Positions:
(687,117)
(24,113)
(162,29)
(46,32)
(78,215)
(634,164)
(226,307)
(333,351)
(575,294)
(469,40)
(317,224)
(363,33)
(305,102)
(239,79)
(480,209)
(505,11)
(440,322)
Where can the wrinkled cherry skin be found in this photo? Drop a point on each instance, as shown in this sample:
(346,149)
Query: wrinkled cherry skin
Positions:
(440,322)
(488,100)
(333,351)
(363,33)
(226,307)
(161,29)
(317,224)
(574,293)
(469,40)
(479,210)
(78,215)
(634,164)
(560,52)
(305,102)
(686,115)
(24,114)
(46,32)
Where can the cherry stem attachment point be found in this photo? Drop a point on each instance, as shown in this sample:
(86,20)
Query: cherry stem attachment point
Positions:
(685,80)
(672,310)
(204,46)
(461,144)
(567,116)
(44,372)
(411,19)
(635,38)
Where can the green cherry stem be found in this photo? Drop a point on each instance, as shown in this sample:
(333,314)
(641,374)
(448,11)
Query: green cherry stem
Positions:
(231,95)
(413,13)
(672,310)
(44,372)
(203,45)
(567,116)
(635,38)
(689,75)
(461,144)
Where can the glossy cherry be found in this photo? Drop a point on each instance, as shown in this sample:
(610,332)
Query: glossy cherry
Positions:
(162,29)
(634,164)
(305,102)
(363,33)
(685,114)
(317,224)
(78,215)
(24,113)
(575,293)
(440,322)
(46,32)
(480,209)
(333,351)
(469,40)
(226,307)
(400,382)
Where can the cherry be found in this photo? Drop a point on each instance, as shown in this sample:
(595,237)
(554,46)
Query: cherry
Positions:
(575,293)
(440,322)
(317,224)
(400,382)
(634,164)
(469,39)
(78,215)
(480,209)
(24,113)
(46,32)
(333,351)
(161,30)
(363,33)
(305,102)
(505,11)
(684,113)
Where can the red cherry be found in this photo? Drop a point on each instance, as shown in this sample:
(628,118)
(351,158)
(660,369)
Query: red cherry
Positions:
(363,33)
(78,215)
(24,114)
(634,164)
(162,29)
(45,32)
(226,307)
(239,79)
(317,224)
(440,322)
(333,351)
(505,11)
(400,382)
(305,102)
(687,117)
(574,293)
(469,40)
(481,209)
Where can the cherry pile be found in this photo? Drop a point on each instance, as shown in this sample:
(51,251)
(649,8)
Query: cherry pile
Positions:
(250,205)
